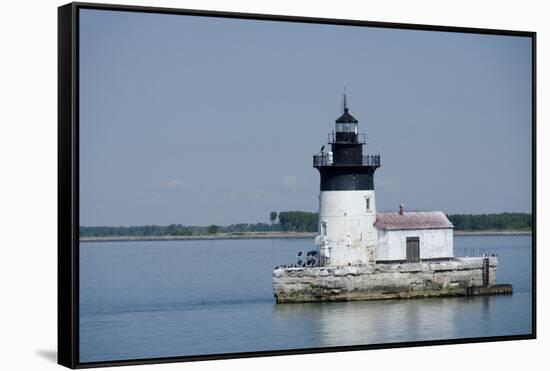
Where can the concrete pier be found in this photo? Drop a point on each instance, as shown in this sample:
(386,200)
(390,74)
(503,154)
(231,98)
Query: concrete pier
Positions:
(451,277)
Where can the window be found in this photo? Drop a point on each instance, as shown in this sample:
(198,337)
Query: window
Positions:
(367,203)
(413,249)
(323,228)
(346,128)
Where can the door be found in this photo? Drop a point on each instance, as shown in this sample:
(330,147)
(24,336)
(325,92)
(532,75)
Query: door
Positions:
(413,249)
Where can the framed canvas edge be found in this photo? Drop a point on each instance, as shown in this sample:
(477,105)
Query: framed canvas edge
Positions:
(534,182)
(68,183)
(67,250)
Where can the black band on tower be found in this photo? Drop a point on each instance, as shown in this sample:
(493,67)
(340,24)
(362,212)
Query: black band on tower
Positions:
(357,178)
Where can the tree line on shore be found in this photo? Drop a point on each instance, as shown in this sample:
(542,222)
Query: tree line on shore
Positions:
(497,222)
(300,221)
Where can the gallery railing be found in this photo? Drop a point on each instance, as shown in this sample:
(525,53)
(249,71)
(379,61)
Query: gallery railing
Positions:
(327,159)
(345,137)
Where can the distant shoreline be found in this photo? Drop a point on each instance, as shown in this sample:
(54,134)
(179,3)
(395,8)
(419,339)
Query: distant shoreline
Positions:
(493,233)
(269,235)
(220,236)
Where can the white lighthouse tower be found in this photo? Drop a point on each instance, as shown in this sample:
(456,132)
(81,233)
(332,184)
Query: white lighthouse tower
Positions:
(347,204)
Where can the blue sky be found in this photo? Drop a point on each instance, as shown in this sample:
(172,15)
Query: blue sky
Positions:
(196,120)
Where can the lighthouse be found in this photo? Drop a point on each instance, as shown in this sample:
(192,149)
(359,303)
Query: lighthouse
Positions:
(347,203)
(363,254)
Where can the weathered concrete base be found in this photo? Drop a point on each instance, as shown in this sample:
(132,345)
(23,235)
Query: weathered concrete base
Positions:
(454,277)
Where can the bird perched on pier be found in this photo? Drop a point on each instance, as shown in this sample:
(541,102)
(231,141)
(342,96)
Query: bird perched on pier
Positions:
(322,148)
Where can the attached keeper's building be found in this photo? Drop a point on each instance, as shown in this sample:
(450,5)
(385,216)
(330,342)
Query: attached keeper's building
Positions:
(413,236)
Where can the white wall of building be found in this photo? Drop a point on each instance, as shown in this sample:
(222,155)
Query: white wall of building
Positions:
(350,233)
(434,243)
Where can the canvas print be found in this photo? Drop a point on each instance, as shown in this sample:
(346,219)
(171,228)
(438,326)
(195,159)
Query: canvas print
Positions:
(254,185)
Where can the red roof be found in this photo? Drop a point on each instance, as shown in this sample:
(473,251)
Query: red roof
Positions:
(413,220)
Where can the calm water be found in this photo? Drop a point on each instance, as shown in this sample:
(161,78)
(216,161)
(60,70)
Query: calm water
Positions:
(175,298)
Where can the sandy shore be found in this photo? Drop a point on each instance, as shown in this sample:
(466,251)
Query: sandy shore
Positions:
(267,235)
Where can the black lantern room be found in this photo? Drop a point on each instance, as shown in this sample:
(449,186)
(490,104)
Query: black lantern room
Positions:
(345,167)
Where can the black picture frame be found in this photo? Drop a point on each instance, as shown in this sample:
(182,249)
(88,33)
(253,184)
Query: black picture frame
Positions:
(68,181)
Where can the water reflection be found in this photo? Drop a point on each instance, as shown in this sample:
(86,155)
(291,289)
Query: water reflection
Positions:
(371,322)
